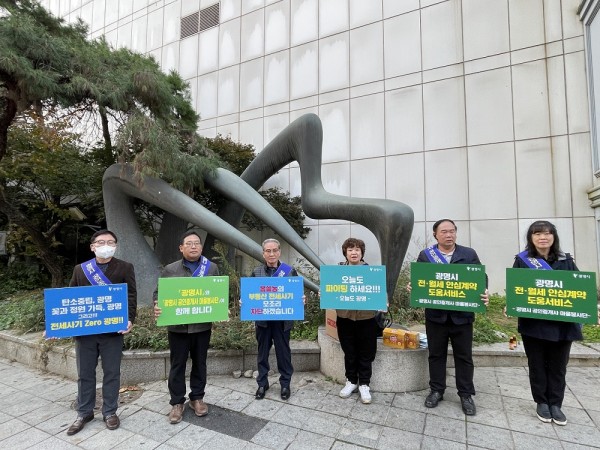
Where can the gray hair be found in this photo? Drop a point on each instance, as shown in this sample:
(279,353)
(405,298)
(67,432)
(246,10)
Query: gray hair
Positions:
(267,241)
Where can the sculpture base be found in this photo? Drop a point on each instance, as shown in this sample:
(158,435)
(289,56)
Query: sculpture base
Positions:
(394,370)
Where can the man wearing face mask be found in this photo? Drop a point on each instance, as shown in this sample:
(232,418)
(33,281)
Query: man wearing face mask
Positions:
(102,270)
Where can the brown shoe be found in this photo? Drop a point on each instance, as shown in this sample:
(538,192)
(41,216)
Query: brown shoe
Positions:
(176,413)
(199,407)
(112,422)
(78,425)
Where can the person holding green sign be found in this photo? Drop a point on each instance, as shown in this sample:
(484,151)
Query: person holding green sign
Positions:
(273,332)
(547,342)
(448,325)
(357,333)
(189,340)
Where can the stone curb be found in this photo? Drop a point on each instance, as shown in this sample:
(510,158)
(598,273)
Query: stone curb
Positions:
(140,366)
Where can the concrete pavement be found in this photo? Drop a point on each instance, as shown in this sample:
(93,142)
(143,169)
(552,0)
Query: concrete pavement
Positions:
(35,411)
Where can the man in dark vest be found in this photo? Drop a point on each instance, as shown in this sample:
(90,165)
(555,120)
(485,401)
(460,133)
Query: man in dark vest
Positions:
(269,332)
(189,340)
(102,270)
(447,325)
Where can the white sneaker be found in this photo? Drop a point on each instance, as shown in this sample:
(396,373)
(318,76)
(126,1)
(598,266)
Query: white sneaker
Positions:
(365,393)
(348,390)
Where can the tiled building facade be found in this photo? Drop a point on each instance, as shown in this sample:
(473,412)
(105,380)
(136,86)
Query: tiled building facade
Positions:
(476,110)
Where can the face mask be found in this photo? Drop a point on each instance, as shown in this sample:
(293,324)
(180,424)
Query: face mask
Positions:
(105,252)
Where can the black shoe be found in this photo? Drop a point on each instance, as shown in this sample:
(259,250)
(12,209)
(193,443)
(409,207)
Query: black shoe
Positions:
(468,405)
(557,415)
(543,412)
(78,425)
(285,393)
(260,392)
(433,399)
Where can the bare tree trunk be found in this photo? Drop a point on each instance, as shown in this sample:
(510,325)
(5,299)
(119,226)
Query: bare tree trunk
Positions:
(6,118)
(106,134)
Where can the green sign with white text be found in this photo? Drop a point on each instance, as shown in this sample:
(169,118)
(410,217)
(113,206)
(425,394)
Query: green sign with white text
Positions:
(447,286)
(561,295)
(193,300)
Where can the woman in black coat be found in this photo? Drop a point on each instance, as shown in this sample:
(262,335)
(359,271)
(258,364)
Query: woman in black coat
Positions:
(547,342)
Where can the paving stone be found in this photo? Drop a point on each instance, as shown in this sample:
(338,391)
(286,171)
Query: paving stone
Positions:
(334,404)
(231,423)
(12,427)
(394,438)
(488,437)
(193,437)
(54,443)
(320,418)
(43,413)
(138,442)
(488,416)
(305,440)
(578,434)
(323,423)
(291,415)
(223,442)
(106,439)
(406,420)
(265,408)
(162,429)
(370,413)
(445,428)
(486,400)
(27,438)
(410,400)
(275,436)
(431,443)
(143,419)
(524,441)
(530,424)
(361,433)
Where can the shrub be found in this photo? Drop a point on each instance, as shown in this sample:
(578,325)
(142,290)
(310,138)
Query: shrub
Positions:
(23,311)
(19,276)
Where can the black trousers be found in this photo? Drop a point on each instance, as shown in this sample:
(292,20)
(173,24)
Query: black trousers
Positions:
(182,346)
(547,362)
(274,333)
(87,349)
(461,338)
(358,339)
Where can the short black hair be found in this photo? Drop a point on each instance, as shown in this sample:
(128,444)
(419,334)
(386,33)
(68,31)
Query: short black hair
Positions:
(189,233)
(439,222)
(101,232)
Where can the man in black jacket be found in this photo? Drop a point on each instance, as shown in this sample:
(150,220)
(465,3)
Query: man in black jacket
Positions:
(447,325)
(188,340)
(101,270)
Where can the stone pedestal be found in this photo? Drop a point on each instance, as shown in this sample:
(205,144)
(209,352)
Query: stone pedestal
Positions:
(394,370)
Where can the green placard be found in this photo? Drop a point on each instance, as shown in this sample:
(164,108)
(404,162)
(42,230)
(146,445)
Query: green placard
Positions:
(447,286)
(561,295)
(193,300)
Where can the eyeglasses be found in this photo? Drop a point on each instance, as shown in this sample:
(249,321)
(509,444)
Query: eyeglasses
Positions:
(271,251)
(193,244)
(101,243)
